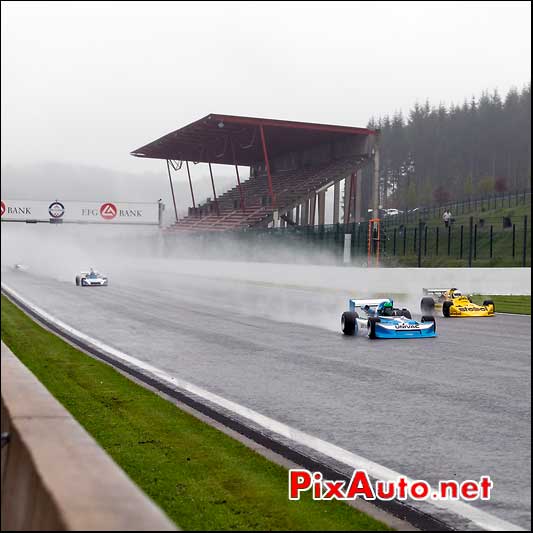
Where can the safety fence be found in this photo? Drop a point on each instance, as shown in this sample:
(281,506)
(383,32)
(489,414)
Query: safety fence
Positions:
(458,208)
(489,241)
(480,242)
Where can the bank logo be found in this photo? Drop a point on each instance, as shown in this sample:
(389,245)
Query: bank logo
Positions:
(108,211)
(3,208)
(56,210)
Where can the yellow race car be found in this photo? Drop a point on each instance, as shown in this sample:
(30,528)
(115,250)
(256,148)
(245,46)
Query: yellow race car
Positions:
(454,304)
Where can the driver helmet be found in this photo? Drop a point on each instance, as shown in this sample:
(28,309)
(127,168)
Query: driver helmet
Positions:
(385,308)
(457,294)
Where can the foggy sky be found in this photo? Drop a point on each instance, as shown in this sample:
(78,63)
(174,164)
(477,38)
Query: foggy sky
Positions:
(89,82)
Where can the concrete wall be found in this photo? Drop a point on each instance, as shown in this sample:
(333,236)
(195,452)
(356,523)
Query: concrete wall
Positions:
(362,280)
(55,477)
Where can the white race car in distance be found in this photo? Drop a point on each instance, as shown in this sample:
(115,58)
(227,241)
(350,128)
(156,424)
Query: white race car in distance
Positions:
(91,278)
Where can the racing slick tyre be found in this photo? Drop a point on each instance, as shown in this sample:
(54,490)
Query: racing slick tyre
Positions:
(427,306)
(77,281)
(486,303)
(430,318)
(349,323)
(406,313)
(446,309)
(372,327)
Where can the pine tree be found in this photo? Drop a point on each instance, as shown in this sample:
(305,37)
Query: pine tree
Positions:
(481,146)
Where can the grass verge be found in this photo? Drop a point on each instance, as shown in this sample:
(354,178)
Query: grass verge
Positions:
(202,479)
(507,304)
(506,250)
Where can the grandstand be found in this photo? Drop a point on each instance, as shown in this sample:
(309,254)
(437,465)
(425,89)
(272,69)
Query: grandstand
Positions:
(292,165)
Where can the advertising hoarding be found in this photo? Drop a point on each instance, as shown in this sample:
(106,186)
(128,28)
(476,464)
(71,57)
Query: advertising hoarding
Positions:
(80,212)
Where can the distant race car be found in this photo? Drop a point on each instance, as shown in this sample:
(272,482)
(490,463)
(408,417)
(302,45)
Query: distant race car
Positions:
(381,320)
(91,279)
(453,303)
(20,267)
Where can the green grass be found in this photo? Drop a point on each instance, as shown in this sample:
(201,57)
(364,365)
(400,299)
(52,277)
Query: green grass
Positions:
(484,215)
(202,479)
(516,213)
(507,304)
(502,241)
(411,261)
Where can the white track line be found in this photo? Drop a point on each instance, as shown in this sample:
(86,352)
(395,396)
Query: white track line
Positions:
(480,518)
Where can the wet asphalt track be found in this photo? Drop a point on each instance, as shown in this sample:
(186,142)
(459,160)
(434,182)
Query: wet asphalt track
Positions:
(455,407)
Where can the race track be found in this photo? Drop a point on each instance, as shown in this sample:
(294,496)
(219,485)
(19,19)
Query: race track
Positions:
(455,407)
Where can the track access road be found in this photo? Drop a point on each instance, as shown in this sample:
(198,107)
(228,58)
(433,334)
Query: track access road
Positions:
(454,407)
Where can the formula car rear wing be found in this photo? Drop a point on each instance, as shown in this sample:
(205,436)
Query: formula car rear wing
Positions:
(438,292)
(371,303)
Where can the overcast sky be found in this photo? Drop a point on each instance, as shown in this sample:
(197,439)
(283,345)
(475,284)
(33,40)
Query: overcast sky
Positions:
(89,82)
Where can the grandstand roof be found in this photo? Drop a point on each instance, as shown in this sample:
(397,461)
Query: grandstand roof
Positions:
(227,139)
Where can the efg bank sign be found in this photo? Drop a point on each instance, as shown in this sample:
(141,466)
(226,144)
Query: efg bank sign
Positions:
(81,212)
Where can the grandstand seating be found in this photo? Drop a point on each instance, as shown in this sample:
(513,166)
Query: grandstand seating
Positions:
(290,188)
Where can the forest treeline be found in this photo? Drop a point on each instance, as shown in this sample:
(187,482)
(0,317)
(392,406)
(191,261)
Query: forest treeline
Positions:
(438,154)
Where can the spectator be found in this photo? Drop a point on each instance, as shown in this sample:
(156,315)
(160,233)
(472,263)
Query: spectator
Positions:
(447,216)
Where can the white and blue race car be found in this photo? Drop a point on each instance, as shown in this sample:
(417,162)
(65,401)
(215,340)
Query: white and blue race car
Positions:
(379,319)
(91,278)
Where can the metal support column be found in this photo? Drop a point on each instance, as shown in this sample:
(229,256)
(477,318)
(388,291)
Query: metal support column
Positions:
(346,204)
(358,195)
(238,176)
(214,192)
(312,209)
(267,164)
(375,192)
(348,196)
(419,249)
(373,243)
(190,185)
(321,208)
(172,191)
(470,240)
(336,201)
(524,244)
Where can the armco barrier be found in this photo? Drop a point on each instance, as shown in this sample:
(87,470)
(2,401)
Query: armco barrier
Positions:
(54,475)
